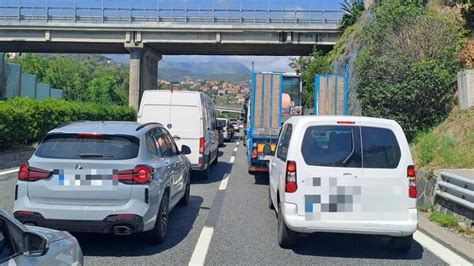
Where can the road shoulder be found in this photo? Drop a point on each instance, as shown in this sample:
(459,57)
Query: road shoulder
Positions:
(454,242)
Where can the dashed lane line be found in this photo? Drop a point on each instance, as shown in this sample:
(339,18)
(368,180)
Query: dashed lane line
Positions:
(224,182)
(439,250)
(236,149)
(202,246)
(232,159)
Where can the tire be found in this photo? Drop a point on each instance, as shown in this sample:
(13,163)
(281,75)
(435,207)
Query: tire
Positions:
(158,233)
(286,238)
(401,244)
(270,202)
(205,172)
(216,161)
(184,201)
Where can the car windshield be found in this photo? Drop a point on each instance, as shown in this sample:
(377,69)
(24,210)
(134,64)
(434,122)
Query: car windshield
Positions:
(77,146)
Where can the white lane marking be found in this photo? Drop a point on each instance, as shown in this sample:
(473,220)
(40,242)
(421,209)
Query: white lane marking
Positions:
(11,171)
(232,159)
(202,246)
(439,250)
(237,144)
(224,181)
(235,150)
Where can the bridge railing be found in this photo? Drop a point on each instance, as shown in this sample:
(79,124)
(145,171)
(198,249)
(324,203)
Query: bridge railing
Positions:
(120,12)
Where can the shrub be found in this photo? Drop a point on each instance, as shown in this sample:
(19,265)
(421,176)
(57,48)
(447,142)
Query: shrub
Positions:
(408,64)
(24,120)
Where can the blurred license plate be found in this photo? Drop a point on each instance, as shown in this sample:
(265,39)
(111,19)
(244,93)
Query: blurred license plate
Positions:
(265,157)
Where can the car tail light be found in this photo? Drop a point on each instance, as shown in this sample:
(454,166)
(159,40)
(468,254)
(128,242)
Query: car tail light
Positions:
(290,185)
(88,135)
(346,122)
(201,145)
(254,154)
(141,174)
(411,174)
(27,173)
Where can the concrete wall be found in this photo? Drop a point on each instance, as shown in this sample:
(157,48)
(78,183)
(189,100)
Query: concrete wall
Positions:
(466,88)
(56,94)
(2,75)
(42,91)
(13,80)
(14,83)
(28,86)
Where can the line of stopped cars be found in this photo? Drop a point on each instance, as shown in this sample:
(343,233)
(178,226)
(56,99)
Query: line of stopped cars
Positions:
(329,174)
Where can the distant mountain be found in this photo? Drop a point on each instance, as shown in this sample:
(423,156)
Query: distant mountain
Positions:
(178,71)
(232,72)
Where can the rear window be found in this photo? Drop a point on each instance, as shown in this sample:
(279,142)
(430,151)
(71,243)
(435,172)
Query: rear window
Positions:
(381,149)
(74,146)
(336,146)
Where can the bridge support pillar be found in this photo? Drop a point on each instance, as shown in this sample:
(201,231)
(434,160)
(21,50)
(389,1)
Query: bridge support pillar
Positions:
(143,74)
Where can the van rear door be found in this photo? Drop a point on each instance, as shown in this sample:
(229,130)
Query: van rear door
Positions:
(385,191)
(352,173)
(330,183)
(186,123)
(155,107)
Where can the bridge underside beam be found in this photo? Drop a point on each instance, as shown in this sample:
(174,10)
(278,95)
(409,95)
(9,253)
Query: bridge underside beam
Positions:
(172,40)
(169,49)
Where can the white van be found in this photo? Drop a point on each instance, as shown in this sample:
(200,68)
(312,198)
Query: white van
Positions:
(343,174)
(189,117)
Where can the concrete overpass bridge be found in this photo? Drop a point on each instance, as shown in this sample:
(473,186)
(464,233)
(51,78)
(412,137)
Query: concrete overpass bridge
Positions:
(229,108)
(148,31)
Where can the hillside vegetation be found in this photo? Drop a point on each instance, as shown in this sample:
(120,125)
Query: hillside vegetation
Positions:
(449,145)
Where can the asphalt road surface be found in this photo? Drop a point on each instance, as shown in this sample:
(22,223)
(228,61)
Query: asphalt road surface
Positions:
(228,222)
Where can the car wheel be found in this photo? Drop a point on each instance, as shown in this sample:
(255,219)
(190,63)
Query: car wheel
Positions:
(158,233)
(286,237)
(270,202)
(205,172)
(401,244)
(185,199)
(216,161)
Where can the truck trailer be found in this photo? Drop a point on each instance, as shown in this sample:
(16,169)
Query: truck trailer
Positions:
(274,98)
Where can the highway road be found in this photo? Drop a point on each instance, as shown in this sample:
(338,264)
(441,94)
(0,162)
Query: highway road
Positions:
(228,222)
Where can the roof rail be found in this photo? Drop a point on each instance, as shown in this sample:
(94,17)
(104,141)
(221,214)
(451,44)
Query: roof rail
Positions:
(70,122)
(147,124)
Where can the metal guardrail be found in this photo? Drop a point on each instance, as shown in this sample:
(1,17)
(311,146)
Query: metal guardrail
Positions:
(457,189)
(114,12)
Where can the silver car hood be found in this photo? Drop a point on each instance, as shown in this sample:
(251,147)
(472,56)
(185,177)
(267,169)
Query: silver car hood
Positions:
(51,234)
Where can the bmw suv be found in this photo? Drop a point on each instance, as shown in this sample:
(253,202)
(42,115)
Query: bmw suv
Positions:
(104,177)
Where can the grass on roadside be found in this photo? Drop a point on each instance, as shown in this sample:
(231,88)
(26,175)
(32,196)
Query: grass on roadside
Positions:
(448,145)
(445,220)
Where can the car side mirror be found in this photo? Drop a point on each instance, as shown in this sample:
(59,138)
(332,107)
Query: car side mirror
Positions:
(176,138)
(34,244)
(185,150)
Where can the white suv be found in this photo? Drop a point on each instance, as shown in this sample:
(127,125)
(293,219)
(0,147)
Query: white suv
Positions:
(343,175)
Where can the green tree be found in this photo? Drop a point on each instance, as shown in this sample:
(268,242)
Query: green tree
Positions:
(103,89)
(352,9)
(66,74)
(408,63)
(308,67)
(33,64)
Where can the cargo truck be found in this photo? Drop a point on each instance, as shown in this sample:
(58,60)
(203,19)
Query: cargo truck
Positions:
(274,98)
